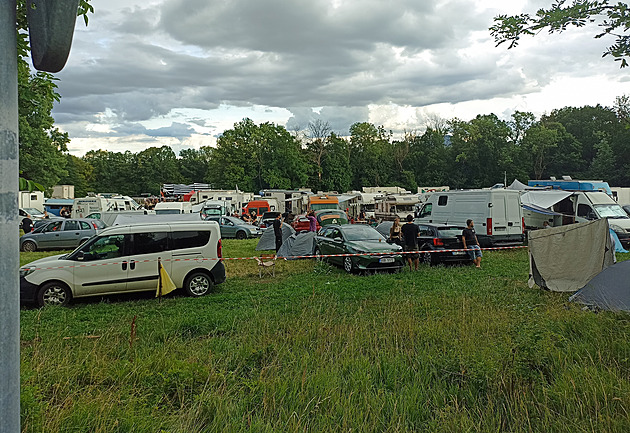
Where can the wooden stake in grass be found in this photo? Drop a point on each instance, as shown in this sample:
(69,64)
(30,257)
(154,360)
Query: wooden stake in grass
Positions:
(132,333)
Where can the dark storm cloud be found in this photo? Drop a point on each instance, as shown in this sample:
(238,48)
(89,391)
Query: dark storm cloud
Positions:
(140,62)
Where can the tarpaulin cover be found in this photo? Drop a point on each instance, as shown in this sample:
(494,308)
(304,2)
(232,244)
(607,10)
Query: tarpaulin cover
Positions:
(565,258)
(268,239)
(298,244)
(543,199)
(608,290)
(540,210)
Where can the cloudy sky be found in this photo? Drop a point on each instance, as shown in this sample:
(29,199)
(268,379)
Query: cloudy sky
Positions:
(180,72)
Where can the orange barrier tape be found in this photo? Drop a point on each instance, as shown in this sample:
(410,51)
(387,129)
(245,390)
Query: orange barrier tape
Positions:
(393,253)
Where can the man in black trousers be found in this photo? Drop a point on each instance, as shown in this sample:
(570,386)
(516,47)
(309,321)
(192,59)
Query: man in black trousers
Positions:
(277,230)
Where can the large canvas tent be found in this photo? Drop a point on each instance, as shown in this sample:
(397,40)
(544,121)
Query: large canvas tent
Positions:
(608,290)
(268,239)
(564,259)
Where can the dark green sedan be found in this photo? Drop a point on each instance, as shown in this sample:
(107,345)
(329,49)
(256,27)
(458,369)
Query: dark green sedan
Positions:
(358,239)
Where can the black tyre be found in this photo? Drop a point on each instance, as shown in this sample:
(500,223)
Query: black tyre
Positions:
(29,246)
(198,284)
(240,235)
(427,258)
(54,293)
(318,252)
(348,266)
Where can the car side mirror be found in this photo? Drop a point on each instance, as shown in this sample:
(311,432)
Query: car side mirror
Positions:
(80,256)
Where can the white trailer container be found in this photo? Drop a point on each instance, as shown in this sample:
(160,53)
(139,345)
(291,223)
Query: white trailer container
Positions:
(31,199)
(497,213)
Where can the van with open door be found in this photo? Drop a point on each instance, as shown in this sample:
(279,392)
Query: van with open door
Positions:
(497,213)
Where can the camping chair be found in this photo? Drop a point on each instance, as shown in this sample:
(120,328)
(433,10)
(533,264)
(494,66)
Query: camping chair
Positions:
(266,264)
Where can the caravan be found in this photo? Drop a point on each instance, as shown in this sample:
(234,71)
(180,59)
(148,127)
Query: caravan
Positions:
(497,213)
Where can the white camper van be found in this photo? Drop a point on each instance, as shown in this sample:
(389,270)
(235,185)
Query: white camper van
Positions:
(497,213)
(173,207)
(86,206)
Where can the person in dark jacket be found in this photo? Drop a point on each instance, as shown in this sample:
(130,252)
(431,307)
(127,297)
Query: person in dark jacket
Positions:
(277,230)
(410,242)
(27,224)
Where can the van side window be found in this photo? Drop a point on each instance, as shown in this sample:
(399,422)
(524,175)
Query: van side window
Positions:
(189,239)
(585,211)
(147,243)
(442,200)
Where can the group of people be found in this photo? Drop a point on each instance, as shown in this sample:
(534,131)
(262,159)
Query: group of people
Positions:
(406,235)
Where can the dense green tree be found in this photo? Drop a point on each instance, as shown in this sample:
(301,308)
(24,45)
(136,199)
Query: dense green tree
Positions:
(431,158)
(539,141)
(371,155)
(111,171)
(612,18)
(258,156)
(336,173)
(194,163)
(79,174)
(41,144)
(153,167)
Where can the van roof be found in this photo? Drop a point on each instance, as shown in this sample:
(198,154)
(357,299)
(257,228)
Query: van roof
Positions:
(168,226)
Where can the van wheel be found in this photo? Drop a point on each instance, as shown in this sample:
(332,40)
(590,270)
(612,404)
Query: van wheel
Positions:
(53,293)
(198,284)
(241,235)
(29,246)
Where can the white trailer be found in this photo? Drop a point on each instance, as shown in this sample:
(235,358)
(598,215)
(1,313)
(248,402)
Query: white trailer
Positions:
(31,199)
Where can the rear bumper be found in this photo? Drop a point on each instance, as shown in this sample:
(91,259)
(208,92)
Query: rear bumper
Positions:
(486,241)
(218,273)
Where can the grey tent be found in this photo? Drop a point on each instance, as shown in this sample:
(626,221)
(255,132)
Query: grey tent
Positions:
(384,228)
(298,244)
(608,290)
(268,239)
(565,258)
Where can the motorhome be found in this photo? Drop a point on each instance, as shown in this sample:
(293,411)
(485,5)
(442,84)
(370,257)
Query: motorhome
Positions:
(215,208)
(86,206)
(319,202)
(390,206)
(257,208)
(289,200)
(235,200)
(497,213)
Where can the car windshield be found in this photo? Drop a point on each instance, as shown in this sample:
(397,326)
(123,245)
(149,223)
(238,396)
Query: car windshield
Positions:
(362,233)
(449,232)
(32,211)
(168,211)
(610,211)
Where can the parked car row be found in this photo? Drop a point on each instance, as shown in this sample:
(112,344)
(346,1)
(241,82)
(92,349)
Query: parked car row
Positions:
(60,234)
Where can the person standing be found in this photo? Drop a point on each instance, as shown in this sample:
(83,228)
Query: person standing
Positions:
(471,243)
(312,222)
(27,224)
(277,231)
(395,232)
(410,242)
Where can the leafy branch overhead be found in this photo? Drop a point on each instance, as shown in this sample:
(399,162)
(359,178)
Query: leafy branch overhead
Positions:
(612,20)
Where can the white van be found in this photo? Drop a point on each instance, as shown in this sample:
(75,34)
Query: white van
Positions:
(124,259)
(173,207)
(497,213)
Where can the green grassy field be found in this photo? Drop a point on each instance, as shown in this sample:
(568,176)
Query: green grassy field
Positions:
(439,350)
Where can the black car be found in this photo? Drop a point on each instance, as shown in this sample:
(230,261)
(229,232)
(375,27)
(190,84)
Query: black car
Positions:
(436,237)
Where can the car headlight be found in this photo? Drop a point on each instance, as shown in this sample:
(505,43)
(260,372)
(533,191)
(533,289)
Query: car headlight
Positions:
(27,270)
(617,229)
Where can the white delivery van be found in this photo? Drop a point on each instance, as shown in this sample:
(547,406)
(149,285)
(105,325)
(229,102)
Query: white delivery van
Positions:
(173,207)
(124,259)
(586,206)
(497,213)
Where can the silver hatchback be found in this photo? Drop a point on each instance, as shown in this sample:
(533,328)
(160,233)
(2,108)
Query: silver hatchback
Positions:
(61,234)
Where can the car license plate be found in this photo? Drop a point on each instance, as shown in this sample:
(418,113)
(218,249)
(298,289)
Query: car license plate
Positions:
(386,260)
(459,253)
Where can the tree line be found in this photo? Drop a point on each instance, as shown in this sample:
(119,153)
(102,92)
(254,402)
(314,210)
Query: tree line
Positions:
(585,142)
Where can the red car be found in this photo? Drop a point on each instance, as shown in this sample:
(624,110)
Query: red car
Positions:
(323,217)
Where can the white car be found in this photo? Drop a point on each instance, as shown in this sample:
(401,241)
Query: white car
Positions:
(124,259)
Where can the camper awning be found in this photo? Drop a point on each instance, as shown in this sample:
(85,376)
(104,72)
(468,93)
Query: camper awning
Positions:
(539,209)
(543,199)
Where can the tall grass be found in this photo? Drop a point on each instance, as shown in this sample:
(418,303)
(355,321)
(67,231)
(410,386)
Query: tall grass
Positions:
(442,349)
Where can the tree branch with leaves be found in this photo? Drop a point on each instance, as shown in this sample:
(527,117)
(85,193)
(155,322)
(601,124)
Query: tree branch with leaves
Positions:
(613,19)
